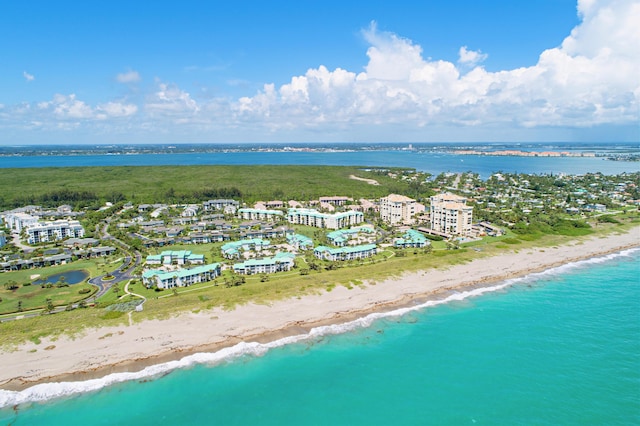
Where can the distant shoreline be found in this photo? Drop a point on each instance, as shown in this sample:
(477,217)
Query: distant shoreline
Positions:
(455,148)
(108,350)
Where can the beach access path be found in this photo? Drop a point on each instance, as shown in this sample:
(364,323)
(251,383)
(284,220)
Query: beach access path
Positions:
(132,347)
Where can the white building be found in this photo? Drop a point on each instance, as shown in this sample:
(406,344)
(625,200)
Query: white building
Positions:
(17,221)
(53,231)
(222,204)
(260,214)
(311,217)
(397,209)
(336,201)
(450,214)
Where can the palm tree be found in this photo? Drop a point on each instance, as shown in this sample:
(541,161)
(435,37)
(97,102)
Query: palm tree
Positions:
(50,306)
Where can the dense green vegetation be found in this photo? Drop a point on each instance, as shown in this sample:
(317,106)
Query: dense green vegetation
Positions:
(92,186)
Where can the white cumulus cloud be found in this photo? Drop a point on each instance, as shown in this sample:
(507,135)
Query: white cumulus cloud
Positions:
(128,77)
(27,76)
(471,57)
(170,100)
(590,79)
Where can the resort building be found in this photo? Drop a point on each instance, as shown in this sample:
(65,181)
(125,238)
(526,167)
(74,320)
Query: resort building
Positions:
(175,257)
(411,239)
(54,231)
(450,214)
(232,250)
(280,262)
(311,217)
(345,253)
(397,209)
(341,237)
(181,278)
(300,242)
(260,214)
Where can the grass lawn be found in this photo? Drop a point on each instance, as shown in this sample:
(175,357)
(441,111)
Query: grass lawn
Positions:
(35,296)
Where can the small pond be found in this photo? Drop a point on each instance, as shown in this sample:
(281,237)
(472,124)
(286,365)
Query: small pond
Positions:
(70,277)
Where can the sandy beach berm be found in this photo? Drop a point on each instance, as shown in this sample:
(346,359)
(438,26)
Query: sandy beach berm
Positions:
(130,348)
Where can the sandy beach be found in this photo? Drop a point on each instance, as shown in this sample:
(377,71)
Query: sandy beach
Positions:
(130,348)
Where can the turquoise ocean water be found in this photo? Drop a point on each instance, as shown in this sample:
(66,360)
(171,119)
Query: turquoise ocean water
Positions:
(554,348)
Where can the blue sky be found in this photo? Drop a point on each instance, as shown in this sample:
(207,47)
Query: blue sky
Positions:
(284,71)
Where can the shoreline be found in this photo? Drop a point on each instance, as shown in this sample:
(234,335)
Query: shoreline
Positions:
(131,348)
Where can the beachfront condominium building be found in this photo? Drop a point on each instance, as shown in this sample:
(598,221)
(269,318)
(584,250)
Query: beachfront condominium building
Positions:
(397,209)
(411,239)
(450,214)
(282,261)
(311,217)
(181,278)
(345,253)
(54,231)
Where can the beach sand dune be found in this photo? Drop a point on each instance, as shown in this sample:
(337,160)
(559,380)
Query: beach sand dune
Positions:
(131,348)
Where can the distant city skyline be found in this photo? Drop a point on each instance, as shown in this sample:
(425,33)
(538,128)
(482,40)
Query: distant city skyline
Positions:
(251,71)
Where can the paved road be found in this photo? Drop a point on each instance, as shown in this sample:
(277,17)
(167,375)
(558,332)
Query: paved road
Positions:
(123,273)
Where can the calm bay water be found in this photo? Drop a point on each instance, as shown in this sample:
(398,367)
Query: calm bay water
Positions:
(434,163)
(560,347)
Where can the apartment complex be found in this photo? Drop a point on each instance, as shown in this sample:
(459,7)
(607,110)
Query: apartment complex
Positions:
(17,221)
(336,201)
(232,249)
(345,253)
(223,204)
(311,217)
(175,257)
(450,214)
(181,278)
(411,239)
(260,214)
(53,231)
(280,262)
(397,209)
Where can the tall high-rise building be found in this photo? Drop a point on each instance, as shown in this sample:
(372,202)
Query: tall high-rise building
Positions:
(395,209)
(450,214)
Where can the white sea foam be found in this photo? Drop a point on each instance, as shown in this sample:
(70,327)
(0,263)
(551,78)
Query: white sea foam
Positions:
(46,391)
